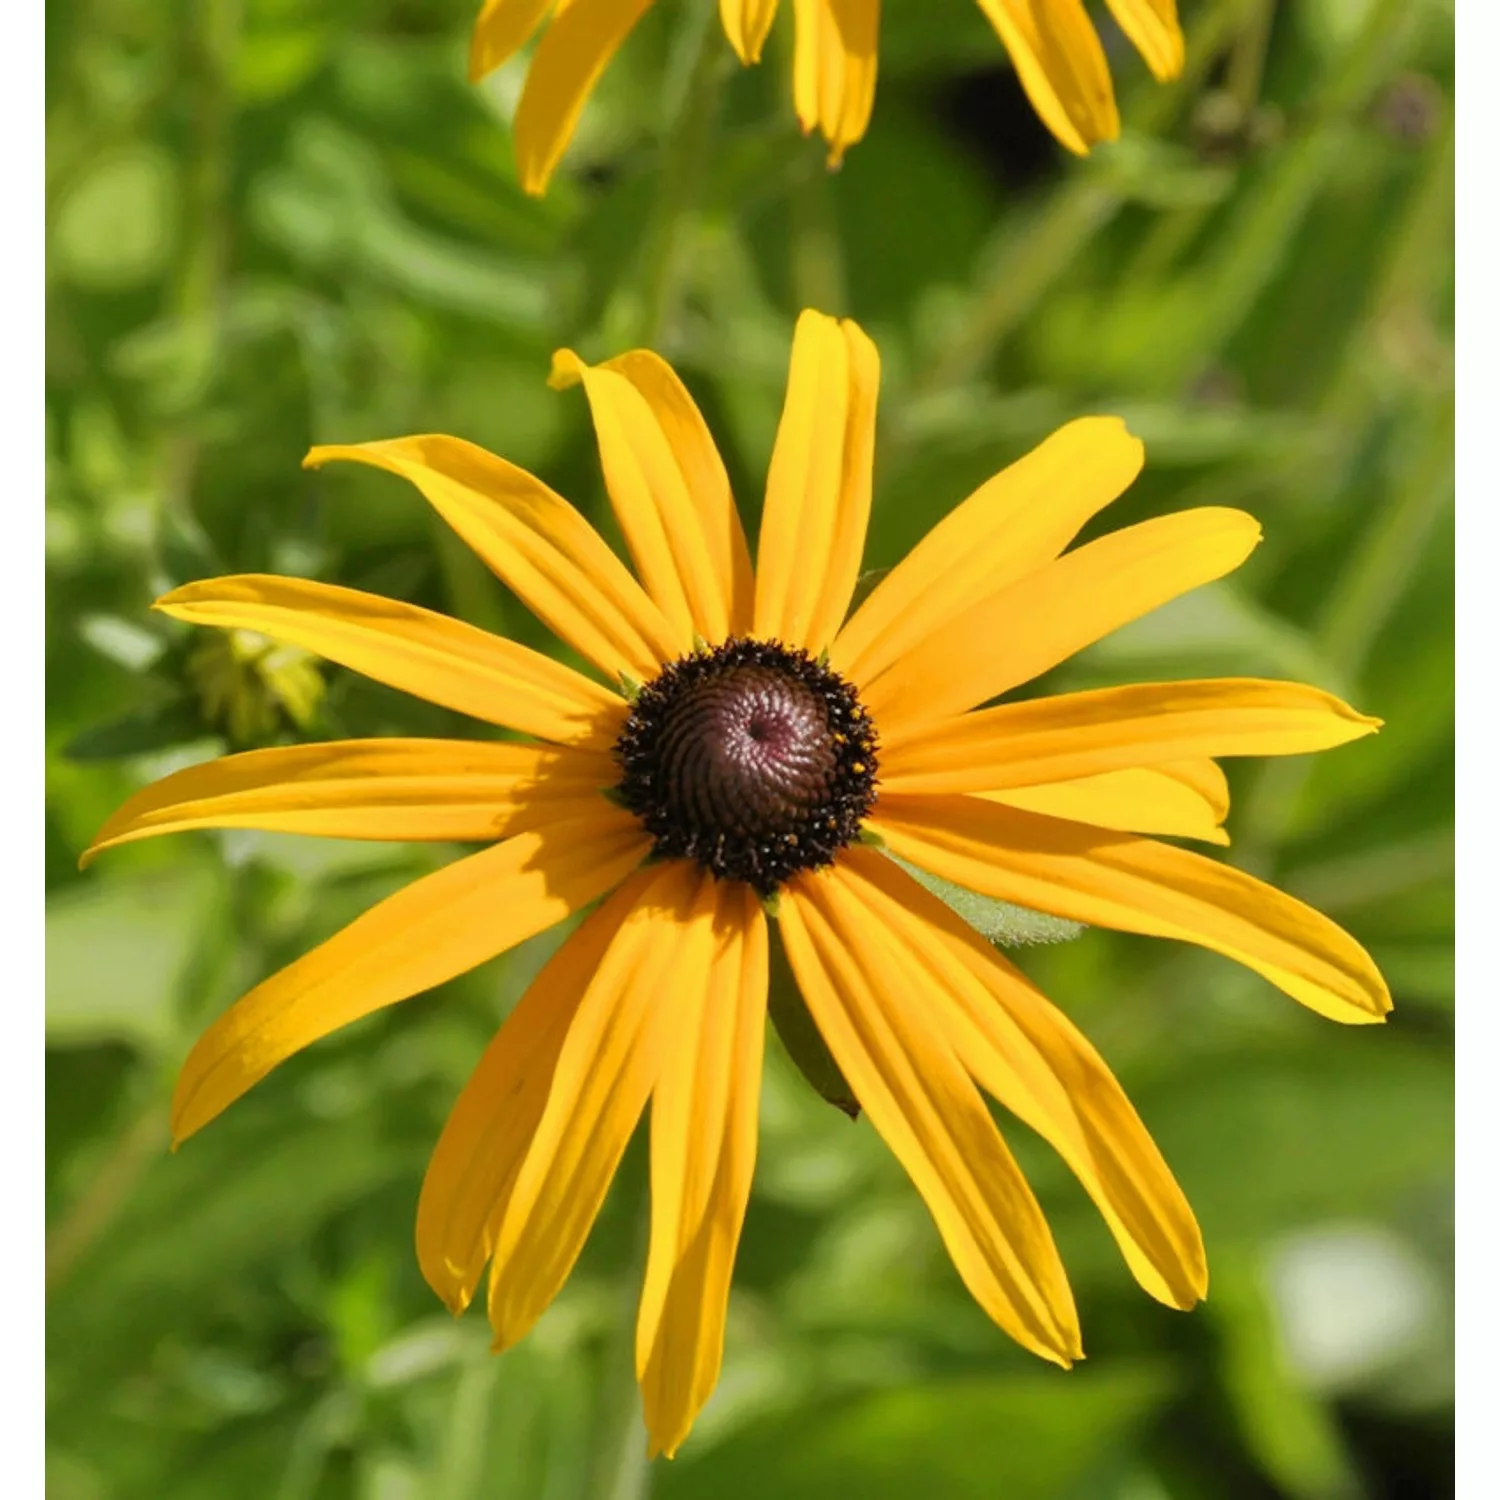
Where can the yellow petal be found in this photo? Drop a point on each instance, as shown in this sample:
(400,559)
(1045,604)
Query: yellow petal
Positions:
(1083,734)
(503,28)
(670,492)
(812,532)
(1061,65)
(1026,1053)
(474,1165)
(459,790)
(413,649)
(572,56)
(746,24)
(1011,525)
(1137,885)
(704,1117)
(436,928)
(1152,25)
(1182,799)
(605,1070)
(537,544)
(833,75)
(922,1103)
(1043,618)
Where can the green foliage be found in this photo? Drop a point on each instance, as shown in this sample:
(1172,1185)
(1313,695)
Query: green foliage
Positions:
(275,223)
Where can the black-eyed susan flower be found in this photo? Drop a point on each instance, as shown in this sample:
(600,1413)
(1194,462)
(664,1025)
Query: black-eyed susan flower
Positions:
(746,757)
(1052,43)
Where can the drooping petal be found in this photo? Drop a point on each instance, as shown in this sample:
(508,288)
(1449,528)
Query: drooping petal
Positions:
(670,492)
(1031,1058)
(436,928)
(1152,25)
(1061,65)
(1182,799)
(812,532)
(573,54)
(747,24)
(704,1117)
(486,1138)
(503,28)
(921,1101)
(1137,885)
(413,649)
(535,543)
(459,790)
(1044,617)
(1083,734)
(833,74)
(607,1066)
(1013,524)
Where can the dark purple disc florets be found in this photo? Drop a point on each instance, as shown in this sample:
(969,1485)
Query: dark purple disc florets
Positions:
(751,758)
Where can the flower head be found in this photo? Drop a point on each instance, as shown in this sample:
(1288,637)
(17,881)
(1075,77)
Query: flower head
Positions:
(1052,43)
(744,740)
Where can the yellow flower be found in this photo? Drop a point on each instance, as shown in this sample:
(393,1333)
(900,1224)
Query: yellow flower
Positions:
(746,757)
(1053,44)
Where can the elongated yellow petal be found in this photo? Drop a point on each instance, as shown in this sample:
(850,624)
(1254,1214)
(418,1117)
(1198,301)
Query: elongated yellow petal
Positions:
(833,74)
(1137,885)
(1083,734)
(503,28)
(1182,799)
(573,54)
(812,532)
(1043,618)
(474,1165)
(608,1065)
(1061,66)
(1152,25)
(670,492)
(1013,524)
(746,24)
(430,655)
(921,1101)
(436,928)
(1028,1055)
(460,790)
(704,1117)
(536,544)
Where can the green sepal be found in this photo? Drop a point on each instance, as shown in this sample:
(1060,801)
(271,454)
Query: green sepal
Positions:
(630,687)
(615,795)
(1005,925)
(803,1041)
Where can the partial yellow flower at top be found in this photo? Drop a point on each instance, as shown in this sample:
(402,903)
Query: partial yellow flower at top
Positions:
(745,758)
(1053,44)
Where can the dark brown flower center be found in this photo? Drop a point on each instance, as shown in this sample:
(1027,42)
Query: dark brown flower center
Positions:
(751,758)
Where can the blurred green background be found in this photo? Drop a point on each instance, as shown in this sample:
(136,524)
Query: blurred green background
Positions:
(280,222)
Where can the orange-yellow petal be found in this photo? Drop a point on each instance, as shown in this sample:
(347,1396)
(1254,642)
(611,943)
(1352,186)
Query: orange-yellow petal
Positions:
(1031,1058)
(606,1068)
(1083,734)
(535,543)
(474,1165)
(746,24)
(1013,524)
(921,1101)
(1137,885)
(570,59)
(812,532)
(436,928)
(459,790)
(1152,25)
(704,1116)
(413,649)
(503,28)
(1044,617)
(1181,799)
(833,73)
(1061,65)
(670,492)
